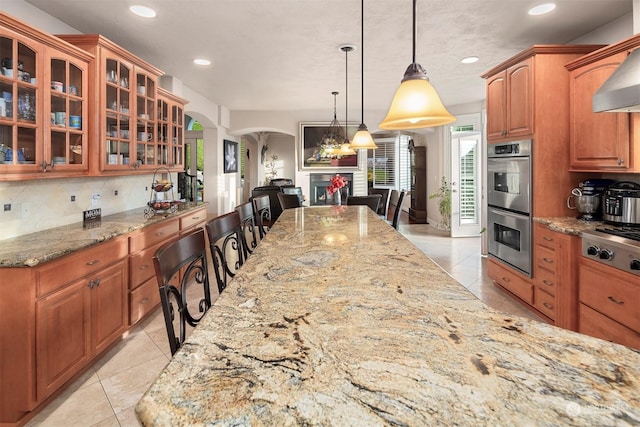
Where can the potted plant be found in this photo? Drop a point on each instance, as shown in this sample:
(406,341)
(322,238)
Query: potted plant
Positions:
(444,204)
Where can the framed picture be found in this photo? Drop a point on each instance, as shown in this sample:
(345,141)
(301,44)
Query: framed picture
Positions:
(316,154)
(230,156)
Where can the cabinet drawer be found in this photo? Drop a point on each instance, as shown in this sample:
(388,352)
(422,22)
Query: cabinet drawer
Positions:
(545,259)
(511,281)
(545,302)
(544,237)
(600,326)
(192,219)
(546,280)
(141,266)
(56,274)
(152,235)
(607,291)
(143,300)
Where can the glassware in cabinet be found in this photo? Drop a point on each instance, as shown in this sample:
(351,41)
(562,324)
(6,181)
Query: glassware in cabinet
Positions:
(148,154)
(118,138)
(67,108)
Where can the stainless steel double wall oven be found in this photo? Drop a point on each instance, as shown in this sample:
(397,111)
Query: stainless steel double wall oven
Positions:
(509,203)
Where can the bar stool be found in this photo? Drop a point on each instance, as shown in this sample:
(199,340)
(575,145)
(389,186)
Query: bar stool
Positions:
(262,213)
(289,201)
(382,207)
(372,200)
(395,206)
(248,224)
(225,242)
(181,264)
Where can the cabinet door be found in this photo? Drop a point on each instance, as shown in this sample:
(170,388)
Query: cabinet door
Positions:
(497,106)
(65,132)
(599,141)
(109,305)
(62,336)
(117,149)
(520,99)
(21,146)
(177,137)
(148,154)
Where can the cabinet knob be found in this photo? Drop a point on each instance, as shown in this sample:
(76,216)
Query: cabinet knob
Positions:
(620,162)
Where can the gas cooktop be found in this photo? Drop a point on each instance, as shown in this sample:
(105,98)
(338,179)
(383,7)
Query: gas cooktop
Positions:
(616,246)
(628,232)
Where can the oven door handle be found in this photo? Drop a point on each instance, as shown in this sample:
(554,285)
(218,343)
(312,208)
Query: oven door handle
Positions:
(508,213)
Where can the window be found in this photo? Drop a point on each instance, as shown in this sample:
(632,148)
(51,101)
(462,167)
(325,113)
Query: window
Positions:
(389,166)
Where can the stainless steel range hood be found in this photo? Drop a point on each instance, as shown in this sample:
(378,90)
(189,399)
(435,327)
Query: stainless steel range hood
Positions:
(620,93)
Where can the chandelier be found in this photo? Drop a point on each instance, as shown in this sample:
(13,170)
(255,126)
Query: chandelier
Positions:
(334,137)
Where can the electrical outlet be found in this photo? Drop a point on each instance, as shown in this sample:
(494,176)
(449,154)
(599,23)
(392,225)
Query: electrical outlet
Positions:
(115,193)
(146,188)
(73,198)
(7,207)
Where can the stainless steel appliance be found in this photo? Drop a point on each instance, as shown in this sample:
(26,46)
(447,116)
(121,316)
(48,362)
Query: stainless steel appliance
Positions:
(618,247)
(622,203)
(587,198)
(509,200)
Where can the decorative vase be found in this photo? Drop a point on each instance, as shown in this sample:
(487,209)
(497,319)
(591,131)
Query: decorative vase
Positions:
(337,197)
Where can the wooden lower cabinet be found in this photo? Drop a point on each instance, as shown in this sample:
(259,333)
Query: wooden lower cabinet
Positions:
(58,317)
(514,282)
(609,303)
(86,316)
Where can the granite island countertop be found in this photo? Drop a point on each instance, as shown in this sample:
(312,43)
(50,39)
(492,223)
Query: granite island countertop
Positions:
(337,319)
(32,249)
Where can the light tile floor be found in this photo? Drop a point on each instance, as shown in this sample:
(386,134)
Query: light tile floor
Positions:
(106,394)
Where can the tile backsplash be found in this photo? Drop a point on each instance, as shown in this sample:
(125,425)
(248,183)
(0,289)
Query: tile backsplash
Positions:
(37,205)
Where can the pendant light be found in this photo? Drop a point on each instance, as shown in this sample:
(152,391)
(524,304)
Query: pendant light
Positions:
(416,103)
(362,139)
(333,137)
(346,149)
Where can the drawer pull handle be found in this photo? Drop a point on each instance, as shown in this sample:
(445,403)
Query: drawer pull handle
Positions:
(612,299)
(94,262)
(548,283)
(144,267)
(195,217)
(549,306)
(548,239)
(505,279)
(144,301)
(160,233)
(547,260)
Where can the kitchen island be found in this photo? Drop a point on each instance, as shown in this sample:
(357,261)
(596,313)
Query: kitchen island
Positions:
(337,319)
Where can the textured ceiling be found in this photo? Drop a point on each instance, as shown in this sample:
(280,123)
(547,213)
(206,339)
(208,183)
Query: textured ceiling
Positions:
(284,54)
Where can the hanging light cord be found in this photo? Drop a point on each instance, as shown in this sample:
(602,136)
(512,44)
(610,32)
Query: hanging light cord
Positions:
(414,30)
(346,95)
(362,60)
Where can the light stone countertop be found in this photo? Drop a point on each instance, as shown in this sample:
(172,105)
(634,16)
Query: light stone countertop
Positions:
(568,225)
(32,249)
(337,319)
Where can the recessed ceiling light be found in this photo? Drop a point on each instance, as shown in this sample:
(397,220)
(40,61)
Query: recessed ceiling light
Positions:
(201,61)
(541,9)
(143,11)
(469,60)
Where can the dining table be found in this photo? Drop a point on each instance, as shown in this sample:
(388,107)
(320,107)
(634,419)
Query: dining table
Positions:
(336,319)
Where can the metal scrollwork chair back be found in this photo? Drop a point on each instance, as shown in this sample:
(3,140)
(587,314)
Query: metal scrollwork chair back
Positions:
(181,270)
(225,243)
(249,231)
(262,213)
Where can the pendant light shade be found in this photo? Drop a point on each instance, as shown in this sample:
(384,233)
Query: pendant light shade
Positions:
(416,104)
(362,140)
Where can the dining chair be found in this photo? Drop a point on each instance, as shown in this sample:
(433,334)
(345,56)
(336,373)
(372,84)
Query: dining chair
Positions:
(372,201)
(396,206)
(384,201)
(225,241)
(249,231)
(183,277)
(294,190)
(289,201)
(262,214)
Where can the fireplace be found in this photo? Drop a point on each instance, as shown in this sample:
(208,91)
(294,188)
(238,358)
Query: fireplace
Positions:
(318,183)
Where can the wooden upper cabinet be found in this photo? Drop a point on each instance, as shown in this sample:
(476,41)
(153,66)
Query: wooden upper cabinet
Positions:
(600,141)
(43,104)
(123,115)
(510,102)
(170,130)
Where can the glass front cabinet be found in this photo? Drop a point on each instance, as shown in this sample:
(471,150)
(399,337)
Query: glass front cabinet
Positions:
(170,130)
(43,103)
